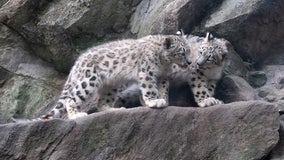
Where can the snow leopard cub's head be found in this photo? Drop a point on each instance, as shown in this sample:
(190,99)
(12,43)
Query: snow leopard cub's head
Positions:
(211,52)
(178,50)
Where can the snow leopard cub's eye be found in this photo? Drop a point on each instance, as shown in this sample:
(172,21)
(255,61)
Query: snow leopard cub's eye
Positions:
(182,51)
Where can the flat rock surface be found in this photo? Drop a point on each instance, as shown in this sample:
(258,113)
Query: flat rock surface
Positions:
(235,131)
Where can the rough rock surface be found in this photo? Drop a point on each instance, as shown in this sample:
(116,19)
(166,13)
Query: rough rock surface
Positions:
(165,16)
(39,40)
(27,83)
(233,88)
(273,90)
(230,132)
(278,152)
(51,43)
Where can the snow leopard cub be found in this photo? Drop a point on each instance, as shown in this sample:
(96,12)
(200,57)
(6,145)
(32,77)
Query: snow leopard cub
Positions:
(145,61)
(208,57)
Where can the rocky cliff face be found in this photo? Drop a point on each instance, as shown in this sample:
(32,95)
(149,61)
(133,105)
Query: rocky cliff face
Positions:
(39,41)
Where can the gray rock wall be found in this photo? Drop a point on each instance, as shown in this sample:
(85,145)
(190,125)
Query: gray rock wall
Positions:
(40,40)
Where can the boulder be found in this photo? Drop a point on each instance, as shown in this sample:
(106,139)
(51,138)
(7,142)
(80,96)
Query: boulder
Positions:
(273,90)
(234,63)
(27,83)
(278,151)
(25,97)
(56,30)
(234,88)
(50,42)
(230,132)
(257,78)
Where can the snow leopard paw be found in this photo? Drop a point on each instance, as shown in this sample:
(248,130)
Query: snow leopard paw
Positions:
(157,103)
(79,114)
(211,101)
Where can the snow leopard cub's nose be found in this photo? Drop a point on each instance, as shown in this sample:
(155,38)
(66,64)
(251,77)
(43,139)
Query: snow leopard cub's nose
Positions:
(188,62)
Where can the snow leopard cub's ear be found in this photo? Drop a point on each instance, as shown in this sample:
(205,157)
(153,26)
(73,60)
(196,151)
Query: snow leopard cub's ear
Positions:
(208,37)
(180,32)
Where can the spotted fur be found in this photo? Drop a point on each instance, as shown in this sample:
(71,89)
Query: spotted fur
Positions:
(208,56)
(209,59)
(145,61)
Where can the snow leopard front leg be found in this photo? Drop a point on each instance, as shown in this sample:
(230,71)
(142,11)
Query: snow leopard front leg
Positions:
(211,85)
(149,90)
(163,87)
(203,90)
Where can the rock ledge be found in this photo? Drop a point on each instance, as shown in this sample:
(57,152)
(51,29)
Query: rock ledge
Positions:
(242,130)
